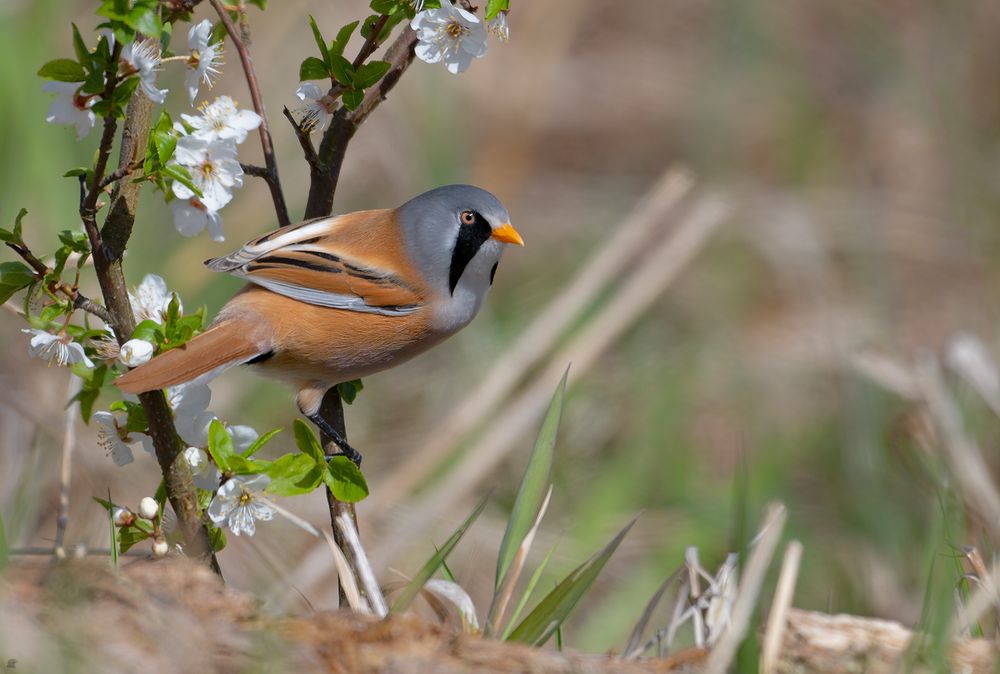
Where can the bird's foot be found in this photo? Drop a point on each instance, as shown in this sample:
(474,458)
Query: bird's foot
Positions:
(338,439)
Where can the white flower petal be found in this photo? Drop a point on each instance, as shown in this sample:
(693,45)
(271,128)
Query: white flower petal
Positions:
(135,352)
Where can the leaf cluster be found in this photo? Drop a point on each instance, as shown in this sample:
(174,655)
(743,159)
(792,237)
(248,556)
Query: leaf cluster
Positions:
(333,65)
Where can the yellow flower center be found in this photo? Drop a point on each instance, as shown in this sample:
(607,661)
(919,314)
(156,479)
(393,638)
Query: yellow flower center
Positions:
(245,497)
(455,30)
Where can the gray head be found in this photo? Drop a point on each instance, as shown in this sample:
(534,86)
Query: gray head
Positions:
(455,234)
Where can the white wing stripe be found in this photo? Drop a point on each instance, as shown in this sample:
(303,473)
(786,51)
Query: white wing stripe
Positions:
(325,299)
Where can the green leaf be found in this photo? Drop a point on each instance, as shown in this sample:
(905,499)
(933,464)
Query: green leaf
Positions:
(528,591)
(345,480)
(413,588)
(370,73)
(349,390)
(16,274)
(76,172)
(307,442)
(320,41)
(352,98)
(494,7)
(313,69)
(294,474)
(144,18)
(217,537)
(533,485)
(553,609)
(181,175)
(220,445)
(93,382)
(241,465)
(261,4)
(135,533)
(260,442)
(115,542)
(79,46)
(17,223)
(148,330)
(63,70)
(343,37)
(341,69)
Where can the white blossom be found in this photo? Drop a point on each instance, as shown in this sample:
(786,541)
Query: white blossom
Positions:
(151,299)
(222,120)
(160,548)
(191,217)
(206,475)
(143,58)
(318,109)
(148,507)
(114,440)
(498,28)
(122,517)
(58,349)
(215,171)
(135,352)
(71,106)
(189,403)
(449,34)
(240,501)
(204,60)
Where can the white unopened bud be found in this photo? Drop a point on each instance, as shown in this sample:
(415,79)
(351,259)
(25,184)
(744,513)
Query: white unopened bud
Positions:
(160,548)
(148,508)
(135,352)
(122,517)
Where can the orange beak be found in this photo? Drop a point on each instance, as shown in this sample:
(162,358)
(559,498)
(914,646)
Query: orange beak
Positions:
(507,234)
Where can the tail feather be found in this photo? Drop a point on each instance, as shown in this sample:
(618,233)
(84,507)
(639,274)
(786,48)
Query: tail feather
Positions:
(222,345)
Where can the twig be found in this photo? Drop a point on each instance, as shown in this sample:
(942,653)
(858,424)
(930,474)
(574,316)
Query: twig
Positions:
(80,301)
(361,566)
(88,208)
(90,552)
(371,44)
(120,173)
(254,170)
(66,469)
(778,619)
(273,182)
(325,173)
(304,139)
(751,581)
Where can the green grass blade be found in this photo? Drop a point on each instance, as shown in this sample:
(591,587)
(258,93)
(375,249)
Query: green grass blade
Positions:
(4,550)
(533,485)
(554,608)
(115,540)
(526,595)
(413,588)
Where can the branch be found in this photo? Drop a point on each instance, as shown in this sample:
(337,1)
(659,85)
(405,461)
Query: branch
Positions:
(325,173)
(304,139)
(80,301)
(116,232)
(371,44)
(254,170)
(273,182)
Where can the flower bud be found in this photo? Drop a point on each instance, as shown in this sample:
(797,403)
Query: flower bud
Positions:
(135,352)
(122,517)
(160,548)
(148,508)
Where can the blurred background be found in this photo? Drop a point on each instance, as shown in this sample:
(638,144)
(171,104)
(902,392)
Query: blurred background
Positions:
(856,146)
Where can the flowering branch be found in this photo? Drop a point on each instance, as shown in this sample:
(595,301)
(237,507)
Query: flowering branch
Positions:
(273,182)
(117,230)
(325,172)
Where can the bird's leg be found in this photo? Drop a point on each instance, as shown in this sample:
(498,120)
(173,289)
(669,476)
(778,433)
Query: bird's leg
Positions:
(338,439)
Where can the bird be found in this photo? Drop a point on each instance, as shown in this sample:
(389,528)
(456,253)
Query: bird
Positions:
(333,299)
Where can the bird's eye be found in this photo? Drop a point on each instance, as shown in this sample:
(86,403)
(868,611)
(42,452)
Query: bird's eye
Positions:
(468,217)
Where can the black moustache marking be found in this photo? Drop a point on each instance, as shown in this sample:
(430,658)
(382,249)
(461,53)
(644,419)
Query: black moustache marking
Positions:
(470,239)
(493,272)
(259,359)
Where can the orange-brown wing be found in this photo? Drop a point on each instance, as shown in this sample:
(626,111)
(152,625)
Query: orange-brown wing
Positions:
(342,262)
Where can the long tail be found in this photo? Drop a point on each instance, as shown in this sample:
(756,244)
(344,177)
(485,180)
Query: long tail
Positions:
(222,345)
